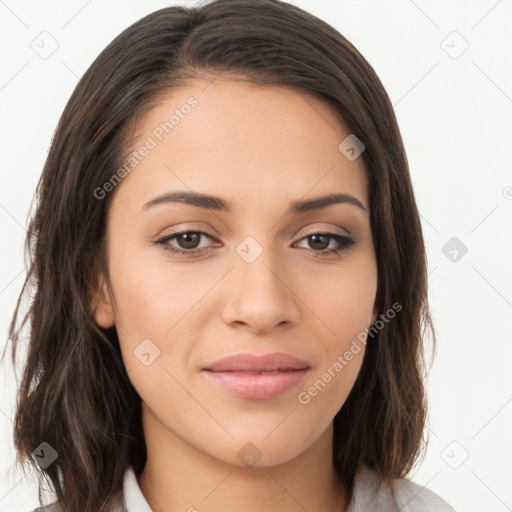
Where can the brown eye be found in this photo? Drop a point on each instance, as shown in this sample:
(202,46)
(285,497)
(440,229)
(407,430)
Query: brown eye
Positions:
(186,243)
(319,243)
(189,240)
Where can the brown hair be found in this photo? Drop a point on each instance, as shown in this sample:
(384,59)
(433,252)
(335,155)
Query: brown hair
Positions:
(75,393)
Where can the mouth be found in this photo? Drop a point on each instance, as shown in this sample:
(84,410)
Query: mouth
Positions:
(257,377)
(257,385)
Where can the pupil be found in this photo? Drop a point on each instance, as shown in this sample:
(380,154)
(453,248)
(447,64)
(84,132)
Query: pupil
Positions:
(188,243)
(314,239)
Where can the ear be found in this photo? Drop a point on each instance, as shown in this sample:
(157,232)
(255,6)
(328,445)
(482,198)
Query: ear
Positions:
(101,303)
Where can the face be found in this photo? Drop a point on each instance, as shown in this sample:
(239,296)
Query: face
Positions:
(245,277)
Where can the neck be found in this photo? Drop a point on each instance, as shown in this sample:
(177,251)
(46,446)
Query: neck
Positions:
(177,476)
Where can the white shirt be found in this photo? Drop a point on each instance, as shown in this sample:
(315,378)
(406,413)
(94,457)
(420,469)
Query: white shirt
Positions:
(370,495)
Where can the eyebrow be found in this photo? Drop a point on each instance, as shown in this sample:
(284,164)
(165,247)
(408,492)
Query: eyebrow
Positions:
(210,202)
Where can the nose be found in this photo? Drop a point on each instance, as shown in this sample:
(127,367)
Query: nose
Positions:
(260,296)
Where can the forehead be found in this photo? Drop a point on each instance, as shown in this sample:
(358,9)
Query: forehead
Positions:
(242,141)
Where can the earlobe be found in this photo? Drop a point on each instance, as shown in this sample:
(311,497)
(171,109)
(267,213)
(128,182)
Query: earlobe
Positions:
(101,305)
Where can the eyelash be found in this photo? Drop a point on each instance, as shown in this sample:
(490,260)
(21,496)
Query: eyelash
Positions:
(344,242)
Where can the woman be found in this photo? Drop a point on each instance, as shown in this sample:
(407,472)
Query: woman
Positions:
(230,277)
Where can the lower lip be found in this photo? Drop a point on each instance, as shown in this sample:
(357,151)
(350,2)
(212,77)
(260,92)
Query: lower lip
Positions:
(262,386)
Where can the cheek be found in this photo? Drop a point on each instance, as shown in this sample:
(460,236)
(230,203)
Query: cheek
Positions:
(345,299)
(152,295)
(348,314)
(159,302)
(346,310)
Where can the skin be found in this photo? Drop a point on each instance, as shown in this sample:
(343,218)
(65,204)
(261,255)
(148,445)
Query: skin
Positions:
(261,148)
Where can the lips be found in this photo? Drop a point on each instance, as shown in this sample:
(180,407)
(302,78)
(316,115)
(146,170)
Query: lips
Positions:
(257,377)
(248,363)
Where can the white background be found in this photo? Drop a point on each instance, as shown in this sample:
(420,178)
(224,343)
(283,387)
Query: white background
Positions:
(455,115)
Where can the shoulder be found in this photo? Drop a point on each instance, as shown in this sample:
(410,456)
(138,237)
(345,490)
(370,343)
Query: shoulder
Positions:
(370,492)
(411,497)
(54,507)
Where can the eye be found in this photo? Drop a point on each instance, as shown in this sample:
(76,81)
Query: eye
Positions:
(321,242)
(189,243)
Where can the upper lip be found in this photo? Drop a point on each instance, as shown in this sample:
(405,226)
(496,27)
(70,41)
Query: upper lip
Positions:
(258,363)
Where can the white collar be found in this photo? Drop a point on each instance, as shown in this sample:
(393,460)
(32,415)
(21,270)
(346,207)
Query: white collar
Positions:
(134,500)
